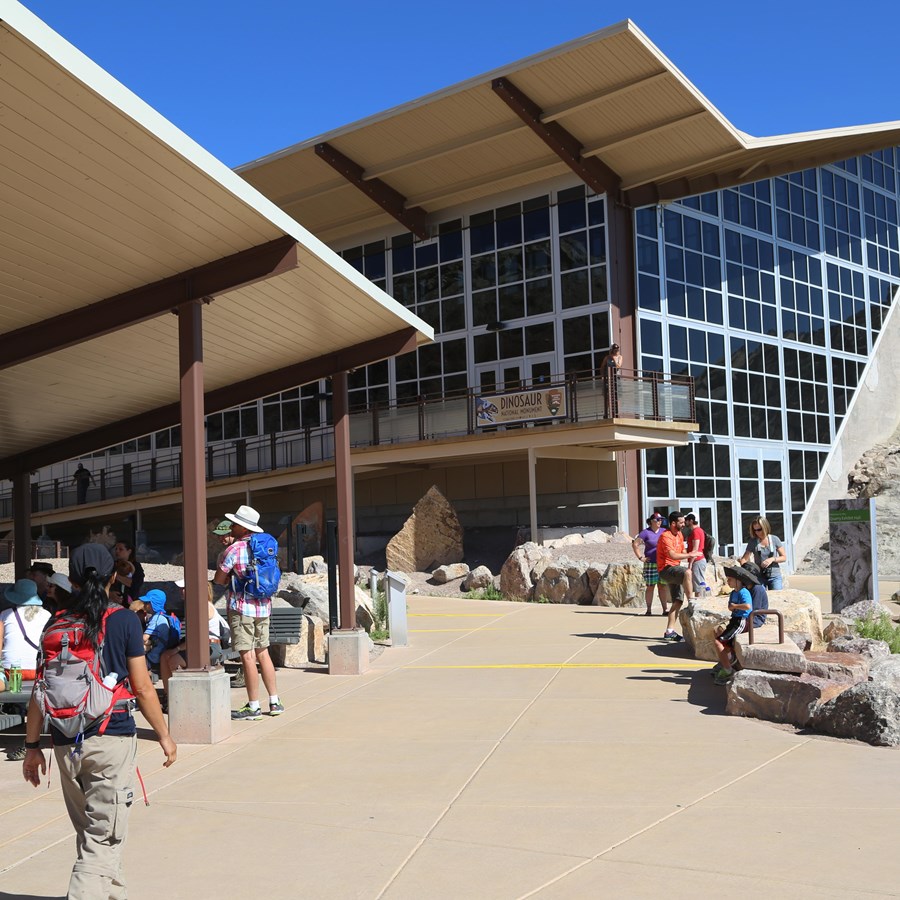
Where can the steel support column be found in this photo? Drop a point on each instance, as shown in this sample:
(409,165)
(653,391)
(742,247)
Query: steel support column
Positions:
(622,288)
(190,364)
(532,494)
(343,479)
(21,497)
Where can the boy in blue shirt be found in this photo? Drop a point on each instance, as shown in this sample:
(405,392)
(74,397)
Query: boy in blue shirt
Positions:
(740,604)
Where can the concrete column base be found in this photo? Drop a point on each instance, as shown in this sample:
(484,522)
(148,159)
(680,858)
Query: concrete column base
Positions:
(200,706)
(348,652)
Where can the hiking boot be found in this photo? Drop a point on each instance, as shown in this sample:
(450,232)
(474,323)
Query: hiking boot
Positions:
(723,677)
(672,636)
(715,670)
(276,709)
(246,713)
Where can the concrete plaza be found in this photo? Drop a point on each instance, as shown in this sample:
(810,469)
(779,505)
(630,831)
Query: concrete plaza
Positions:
(514,750)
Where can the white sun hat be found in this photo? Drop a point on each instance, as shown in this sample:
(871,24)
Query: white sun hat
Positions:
(247,517)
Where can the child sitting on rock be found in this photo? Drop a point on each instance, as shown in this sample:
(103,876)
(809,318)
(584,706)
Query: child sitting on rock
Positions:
(740,604)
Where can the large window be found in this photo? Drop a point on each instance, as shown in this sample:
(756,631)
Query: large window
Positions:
(878,168)
(797,209)
(750,278)
(847,309)
(582,249)
(881,297)
(881,232)
(232,424)
(843,223)
(806,396)
(291,410)
(802,299)
(701,354)
(756,389)
(749,205)
(647,250)
(693,268)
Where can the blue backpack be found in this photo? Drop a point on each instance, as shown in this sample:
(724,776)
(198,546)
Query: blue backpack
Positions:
(263,574)
(174,636)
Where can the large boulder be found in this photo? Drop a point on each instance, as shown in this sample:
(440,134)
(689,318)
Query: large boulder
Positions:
(868,647)
(779,697)
(310,593)
(834,629)
(786,657)
(802,621)
(886,671)
(563,581)
(515,576)
(478,579)
(443,574)
(868,712)
(620,585)
(430,537)
(850,667)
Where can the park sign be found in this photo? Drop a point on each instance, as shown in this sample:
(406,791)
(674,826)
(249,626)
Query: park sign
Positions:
(520,406)
(853,552)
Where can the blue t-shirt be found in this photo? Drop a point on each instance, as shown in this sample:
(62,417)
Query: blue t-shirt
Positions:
(124,640)
(158,628)
(741,596)
(760,601)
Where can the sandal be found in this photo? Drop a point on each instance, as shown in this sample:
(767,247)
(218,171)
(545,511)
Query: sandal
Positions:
(16,755)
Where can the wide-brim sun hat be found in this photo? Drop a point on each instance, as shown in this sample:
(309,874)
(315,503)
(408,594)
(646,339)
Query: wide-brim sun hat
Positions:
(23,593)
(741,574)
(223,528)
(247,517)
(61,581)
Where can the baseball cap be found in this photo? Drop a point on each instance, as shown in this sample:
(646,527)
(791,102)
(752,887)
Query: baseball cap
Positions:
(657,515)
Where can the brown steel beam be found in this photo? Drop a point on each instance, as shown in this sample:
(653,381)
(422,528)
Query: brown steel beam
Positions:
(592,171)
(343,480)
(148,302)
(21,497)
(390,200)
(223,398)
(193,479)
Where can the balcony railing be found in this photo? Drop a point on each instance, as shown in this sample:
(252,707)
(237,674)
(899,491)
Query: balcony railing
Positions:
(651,396)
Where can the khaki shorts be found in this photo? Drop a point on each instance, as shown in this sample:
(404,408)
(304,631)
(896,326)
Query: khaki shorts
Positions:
(248,632)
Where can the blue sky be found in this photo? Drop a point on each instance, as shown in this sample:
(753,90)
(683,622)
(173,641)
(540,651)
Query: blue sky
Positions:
(246,79)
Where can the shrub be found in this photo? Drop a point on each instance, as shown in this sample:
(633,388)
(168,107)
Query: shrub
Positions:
(488,593)
(879,628)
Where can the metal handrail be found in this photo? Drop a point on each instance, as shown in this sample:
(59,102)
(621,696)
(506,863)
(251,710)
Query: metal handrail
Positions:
(766,612)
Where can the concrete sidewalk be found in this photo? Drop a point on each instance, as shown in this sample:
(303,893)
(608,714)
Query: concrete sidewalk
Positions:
(515,750)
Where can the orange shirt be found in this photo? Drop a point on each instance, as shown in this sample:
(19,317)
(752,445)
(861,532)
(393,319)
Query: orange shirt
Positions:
(670,543)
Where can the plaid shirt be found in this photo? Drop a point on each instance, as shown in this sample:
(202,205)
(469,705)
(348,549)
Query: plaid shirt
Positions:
(235,562)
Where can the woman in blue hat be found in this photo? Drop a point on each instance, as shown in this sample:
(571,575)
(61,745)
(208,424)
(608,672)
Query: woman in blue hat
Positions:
(20,630)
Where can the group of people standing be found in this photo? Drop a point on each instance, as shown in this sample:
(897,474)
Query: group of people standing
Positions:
(675,551)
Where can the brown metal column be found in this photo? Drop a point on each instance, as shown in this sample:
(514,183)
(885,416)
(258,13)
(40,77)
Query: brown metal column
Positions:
(193,491)
(343,479)
(21,497)
(623,289)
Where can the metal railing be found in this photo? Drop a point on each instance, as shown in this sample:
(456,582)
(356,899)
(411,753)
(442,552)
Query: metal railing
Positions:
(589,397)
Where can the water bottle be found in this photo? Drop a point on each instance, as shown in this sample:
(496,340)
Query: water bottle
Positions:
(111,680)
(15,679)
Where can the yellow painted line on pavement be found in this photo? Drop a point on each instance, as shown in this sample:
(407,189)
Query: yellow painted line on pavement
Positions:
(454,615)
(692,665)
(435,630)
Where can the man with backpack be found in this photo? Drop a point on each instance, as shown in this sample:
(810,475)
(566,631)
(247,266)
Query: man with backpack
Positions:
(250,569)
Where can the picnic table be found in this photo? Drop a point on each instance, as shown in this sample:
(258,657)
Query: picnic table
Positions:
(9,716)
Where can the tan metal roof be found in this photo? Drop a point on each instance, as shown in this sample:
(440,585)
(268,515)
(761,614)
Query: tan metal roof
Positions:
(101,195)
(613,90)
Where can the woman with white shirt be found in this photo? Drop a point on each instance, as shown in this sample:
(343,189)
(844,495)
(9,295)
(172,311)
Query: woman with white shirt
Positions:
(20,630)
(767,551)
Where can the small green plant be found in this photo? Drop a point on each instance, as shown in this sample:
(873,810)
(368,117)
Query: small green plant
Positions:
(488,593)
(880,628)
(379,634)
(540,598)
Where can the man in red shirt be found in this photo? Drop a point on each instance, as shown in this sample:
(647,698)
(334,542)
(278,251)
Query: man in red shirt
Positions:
(696,544)
(671,551)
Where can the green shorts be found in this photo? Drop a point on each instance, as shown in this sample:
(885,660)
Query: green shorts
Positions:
(248,632)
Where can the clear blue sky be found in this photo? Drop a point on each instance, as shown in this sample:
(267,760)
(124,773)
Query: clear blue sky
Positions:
(246,79)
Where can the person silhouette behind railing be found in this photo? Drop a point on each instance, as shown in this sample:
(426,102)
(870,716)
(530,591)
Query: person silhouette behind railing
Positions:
(83,479)
(609,371)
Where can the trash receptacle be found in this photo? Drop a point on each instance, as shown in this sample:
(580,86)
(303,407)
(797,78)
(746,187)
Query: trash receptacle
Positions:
(395,588)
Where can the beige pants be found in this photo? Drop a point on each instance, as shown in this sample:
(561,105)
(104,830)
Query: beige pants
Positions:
(98,787)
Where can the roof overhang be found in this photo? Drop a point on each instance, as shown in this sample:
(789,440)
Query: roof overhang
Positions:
(613,96)
(112,218)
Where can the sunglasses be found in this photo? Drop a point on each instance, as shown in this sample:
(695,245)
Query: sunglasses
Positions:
(757,529)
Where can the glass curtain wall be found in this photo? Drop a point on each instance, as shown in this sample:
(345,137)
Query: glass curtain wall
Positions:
(771,295)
